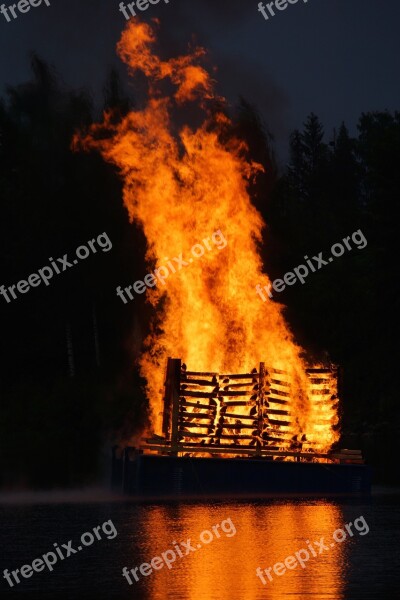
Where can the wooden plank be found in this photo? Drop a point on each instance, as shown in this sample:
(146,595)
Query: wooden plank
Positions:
(236,426)
(233,416)
(272,400)
(203,382)
(260,404)
(196,425)
(282,383)
(280,423)
(278,371)
(222,449)
(284,436)
(347,456)
(192,394)
(279,393)
(199,374)
(239,376)
(237,385)
(239,403)
(175,384)
(166,424)
(221,436)
(233,394)
(194,405)
(234,436)
(192,415)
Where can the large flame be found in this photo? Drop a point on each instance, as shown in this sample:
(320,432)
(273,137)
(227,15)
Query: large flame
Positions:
(182,185)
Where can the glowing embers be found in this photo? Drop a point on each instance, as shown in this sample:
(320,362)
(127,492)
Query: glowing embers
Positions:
(248,413)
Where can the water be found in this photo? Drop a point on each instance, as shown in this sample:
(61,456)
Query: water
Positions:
(365,567)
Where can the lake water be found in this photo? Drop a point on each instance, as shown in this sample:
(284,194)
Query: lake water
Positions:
(250,535)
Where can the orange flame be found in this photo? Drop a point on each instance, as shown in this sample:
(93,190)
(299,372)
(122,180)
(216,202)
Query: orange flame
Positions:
(182,187)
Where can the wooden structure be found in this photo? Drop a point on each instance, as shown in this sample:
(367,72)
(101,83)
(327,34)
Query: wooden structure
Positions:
(247,414)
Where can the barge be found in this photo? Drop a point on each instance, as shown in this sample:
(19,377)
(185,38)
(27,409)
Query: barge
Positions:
(234,436)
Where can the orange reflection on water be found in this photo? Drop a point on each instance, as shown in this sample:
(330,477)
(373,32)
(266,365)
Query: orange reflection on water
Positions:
(226,567)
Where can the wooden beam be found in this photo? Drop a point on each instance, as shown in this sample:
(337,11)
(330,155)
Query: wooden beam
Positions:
(203,382)
(175,367)
(260,405)
(193,394)
(194,405)
(239,376)
(251,451)
(200,374)
(166,424)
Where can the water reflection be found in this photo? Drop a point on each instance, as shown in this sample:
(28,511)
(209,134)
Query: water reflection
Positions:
(226,567)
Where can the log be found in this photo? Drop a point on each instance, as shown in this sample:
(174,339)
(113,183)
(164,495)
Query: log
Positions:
(235,426)
(340,456)
(240,376)
(237,449)
(279,393)
(283,383)
(272,400)
(192,394)
(175,369)
(200,374)
(233,416)
(193,415)
(235,436)
(278,371)
(193,405)
(233,394)
(196,425)
(203,382)
(280,423)
(238,403)
(167,412)
(215,436)
(237,385)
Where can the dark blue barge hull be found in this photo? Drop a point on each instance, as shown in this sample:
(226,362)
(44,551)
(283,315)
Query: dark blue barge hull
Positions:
(158,476)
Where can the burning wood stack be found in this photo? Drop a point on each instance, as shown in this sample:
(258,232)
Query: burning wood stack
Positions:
(244,413)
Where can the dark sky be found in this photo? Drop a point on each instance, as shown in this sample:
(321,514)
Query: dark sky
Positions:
(334,57)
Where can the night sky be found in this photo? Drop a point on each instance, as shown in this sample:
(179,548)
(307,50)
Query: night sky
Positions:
(337,58)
